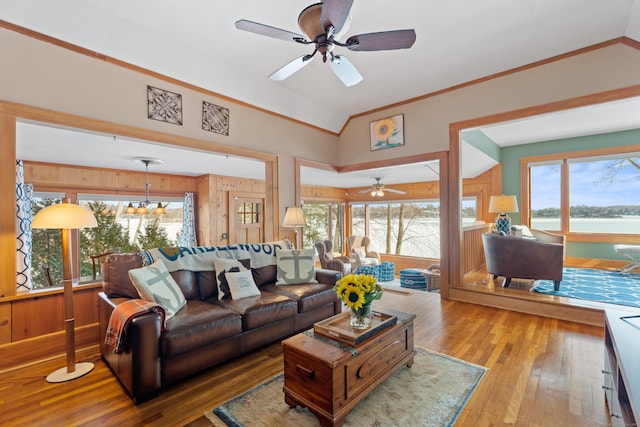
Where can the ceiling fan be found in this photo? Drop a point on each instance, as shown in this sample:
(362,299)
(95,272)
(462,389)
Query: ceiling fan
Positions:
(378,189)
(322,22)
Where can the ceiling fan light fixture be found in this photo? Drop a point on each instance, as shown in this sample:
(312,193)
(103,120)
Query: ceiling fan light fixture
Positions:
(309,21)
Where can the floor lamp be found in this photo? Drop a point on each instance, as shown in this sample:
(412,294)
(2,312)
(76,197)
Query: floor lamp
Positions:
(67,216)
(294,217)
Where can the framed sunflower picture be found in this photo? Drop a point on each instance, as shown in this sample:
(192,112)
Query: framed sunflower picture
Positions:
(387,133)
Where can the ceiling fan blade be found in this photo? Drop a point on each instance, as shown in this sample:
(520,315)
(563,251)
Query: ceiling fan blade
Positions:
(266,30)
(336,13)
(345,70)
(386,40)
(368,190)
(290,68)
(391,190)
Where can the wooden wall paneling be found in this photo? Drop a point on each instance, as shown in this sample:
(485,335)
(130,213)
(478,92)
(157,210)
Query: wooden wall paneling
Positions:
(119,182)
(41,315)
(311,193)
(86,305)
(36,316)
(5,322)
(7,198)
(222,211)
(272,200)
(206,210)
(414,191)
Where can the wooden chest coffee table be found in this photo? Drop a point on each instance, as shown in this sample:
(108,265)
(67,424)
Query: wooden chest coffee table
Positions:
(329,377)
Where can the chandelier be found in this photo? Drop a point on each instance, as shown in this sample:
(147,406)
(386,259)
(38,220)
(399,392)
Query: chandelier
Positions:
(142,208)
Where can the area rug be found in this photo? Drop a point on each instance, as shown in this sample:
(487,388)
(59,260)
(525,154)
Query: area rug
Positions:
(432,392)
(595,285)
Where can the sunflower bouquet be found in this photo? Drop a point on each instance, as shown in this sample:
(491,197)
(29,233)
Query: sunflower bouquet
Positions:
(358,291)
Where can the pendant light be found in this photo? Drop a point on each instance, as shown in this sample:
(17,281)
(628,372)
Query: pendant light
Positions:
(142,208)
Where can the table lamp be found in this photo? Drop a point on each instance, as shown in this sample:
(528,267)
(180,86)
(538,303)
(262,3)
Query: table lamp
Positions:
(67,216)
(294,217)
(502,205)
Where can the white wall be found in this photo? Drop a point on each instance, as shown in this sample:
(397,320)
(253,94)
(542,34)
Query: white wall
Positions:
(426,121)
(44,75)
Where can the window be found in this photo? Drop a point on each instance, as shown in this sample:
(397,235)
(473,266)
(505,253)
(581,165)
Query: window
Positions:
(249,213)
(116,232)
(46,248)
(119,232)
(324,221)
(469,210)
(545,196)
(358,220)
(600,194)
(407,228)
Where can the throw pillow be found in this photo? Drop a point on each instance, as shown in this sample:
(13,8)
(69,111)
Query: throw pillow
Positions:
(221,265)
(154,283)
(241,284)
(360,252)
(296,266)
(223,287)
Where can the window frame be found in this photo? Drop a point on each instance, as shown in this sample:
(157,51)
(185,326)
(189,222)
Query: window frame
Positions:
(367,218)
(565,159)
(331,204)
(75,196)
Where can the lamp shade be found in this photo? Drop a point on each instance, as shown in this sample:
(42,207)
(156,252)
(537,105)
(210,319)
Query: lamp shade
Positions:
(64,216)
(502,204)
(294,217)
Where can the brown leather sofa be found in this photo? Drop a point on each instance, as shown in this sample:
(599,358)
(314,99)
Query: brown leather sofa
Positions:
(206,331)
(538,258)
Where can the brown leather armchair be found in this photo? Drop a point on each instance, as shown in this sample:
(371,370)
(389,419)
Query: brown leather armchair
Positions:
(329,261)
(538,258)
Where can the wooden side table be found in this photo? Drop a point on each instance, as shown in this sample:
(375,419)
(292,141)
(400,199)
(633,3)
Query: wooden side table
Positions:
(330,378)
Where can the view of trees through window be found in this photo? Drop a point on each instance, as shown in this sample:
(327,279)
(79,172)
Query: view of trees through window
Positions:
(405,228)
(604,194)
(398,228)
(324,221)
(116,232)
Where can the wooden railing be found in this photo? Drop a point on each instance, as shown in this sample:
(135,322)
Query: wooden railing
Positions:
(472,249)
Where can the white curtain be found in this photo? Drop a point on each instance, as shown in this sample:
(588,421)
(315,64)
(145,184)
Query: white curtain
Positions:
(24,202)
(188,223)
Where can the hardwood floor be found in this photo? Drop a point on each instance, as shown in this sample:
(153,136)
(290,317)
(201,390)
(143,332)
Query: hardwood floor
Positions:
(542,372)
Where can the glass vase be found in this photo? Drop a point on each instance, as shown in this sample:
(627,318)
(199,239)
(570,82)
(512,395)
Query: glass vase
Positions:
(361,317)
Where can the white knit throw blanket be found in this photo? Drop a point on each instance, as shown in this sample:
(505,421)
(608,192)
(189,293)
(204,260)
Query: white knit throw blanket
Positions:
(200,258)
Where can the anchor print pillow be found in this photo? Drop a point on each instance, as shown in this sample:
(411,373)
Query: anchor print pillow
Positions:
(154,283)
(296,266)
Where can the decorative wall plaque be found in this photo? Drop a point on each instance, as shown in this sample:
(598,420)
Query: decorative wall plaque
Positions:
(164,106)
(387,133)
(215,118)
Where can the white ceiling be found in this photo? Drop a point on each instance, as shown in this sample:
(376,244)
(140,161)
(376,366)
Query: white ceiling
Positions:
(197,42)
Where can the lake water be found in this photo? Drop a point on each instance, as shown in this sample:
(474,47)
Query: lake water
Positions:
(423,237)
(624,225)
